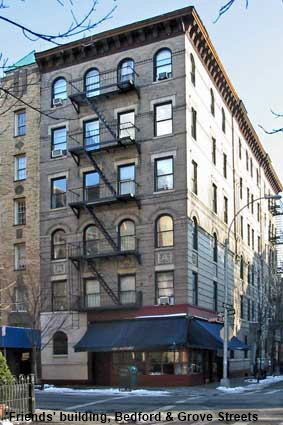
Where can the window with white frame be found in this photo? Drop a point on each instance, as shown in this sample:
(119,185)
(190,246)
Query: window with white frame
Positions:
(20,211)
(59,141)
(126,125)
(92,293)
(58,192)
(20,167)
(20,123)
(59,295)
(165,285)
(59,90)
(163,64)
(20,299)
(127,289)
(164,174)
(163,119)
(20,256)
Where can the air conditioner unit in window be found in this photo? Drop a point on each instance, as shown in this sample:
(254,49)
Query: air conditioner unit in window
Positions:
(166,300)
(164,75)
(57,102)
(58,152)
(165,187)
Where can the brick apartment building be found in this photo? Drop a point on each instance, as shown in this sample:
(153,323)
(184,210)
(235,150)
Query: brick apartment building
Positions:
(148,160)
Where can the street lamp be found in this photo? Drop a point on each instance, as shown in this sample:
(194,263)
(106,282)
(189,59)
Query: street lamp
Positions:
(225,380)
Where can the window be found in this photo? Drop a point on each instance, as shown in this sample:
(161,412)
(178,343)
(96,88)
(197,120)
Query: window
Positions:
(214,150)
(58,245)
(242,226)
(194,124)
(195,234)
(241,188)
(240,149)
(20,123)
(59,295)
(92,83)
(247,160)
(60,343)
(164,231)
(126,125)
(232,354)
(215,248)
(225,210)
(253,275)
(164,174)
(127,289)
(20,167)
(59,90)
(253,239)
(212,102)
(258,244)
(195,288)
(252,203)
(163,119)
(92,293)
(249,309)
(257,177)
(195,177)
(241,268)
(241,306)
(214,198)
(253,311)
(20,298)
(258,211)
(223,121)
(248,197)
(127,235)
(249,273)
(251,167)
(91,136)
(249,234)
(193,70)
(59,140)
(126,71)
(91,186)
(165,284)
(20,211)
(127,179)
(91,240)
(20,256)
(225,165)
(215,296)
(163,65)
(58,192)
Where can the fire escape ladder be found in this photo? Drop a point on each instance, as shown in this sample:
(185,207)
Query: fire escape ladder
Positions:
(104,284)
(102,118)
(102,175)
(103,230)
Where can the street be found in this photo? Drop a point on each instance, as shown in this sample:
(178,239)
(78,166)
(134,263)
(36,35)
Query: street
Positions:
(266,402)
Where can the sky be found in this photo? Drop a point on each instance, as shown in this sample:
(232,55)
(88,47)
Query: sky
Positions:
(249,43)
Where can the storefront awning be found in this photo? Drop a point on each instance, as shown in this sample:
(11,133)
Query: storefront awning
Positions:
(21,338)
(135,334)
(204,334)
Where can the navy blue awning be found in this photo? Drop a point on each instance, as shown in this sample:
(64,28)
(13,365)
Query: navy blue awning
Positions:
(204,334)
(16,337)
(135,334)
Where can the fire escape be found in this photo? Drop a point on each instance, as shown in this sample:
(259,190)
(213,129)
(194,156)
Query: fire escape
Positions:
(103,137)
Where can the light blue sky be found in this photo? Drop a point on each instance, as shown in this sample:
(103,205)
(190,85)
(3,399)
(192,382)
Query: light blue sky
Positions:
(249,43)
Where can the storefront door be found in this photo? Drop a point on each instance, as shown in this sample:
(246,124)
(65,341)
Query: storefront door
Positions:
(101,369)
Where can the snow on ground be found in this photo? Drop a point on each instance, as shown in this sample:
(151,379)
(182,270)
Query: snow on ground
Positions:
(104,391)
(253,385)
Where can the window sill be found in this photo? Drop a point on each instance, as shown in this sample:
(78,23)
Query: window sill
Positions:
(19,135)
(20,224)
(162,81)
(58,260)
(163,136)
(163,248)
(58,209)
(20,270)
(60,157)
(60,356)
(159,192)
(19,180)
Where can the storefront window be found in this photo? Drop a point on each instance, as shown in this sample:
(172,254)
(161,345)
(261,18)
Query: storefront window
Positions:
(195,362)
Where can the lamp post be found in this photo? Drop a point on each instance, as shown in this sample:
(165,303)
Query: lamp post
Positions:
(225,380)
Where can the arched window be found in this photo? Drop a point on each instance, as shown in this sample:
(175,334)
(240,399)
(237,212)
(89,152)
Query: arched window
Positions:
(223,121)
(91,240)
(215,248)
(92,82)
(193,70)
(212,102)
(241,268)
(127,235)
(126,71)
(58,245)
(163,65)
(60,343)
(164,231)
(59,90)
(195,234)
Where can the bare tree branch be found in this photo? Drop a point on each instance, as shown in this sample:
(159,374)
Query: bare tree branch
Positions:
(226,7)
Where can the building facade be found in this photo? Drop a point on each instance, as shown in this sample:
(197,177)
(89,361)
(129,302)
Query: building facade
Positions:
(146,155)
(19,200)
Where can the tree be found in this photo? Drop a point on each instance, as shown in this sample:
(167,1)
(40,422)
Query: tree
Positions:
(6,376)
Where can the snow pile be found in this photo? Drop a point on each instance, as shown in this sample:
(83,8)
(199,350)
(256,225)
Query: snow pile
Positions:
(104,391)
(254,385)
